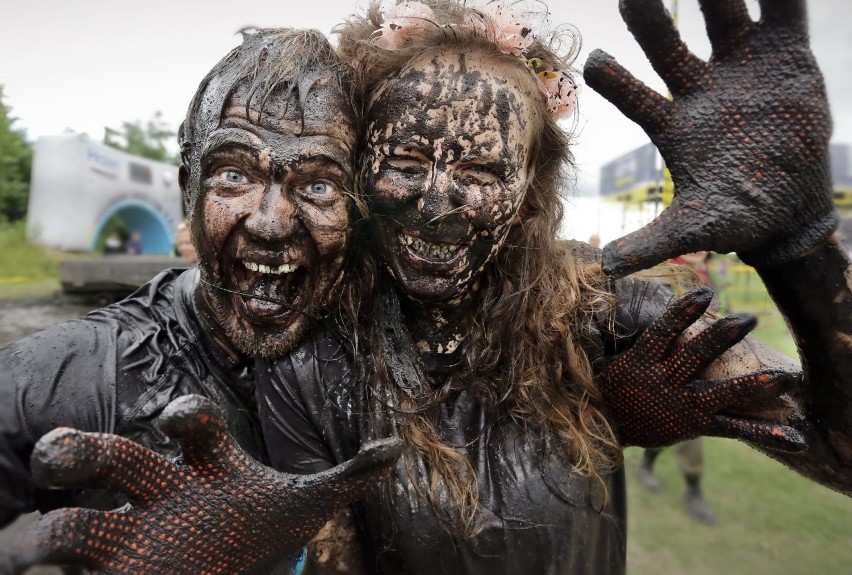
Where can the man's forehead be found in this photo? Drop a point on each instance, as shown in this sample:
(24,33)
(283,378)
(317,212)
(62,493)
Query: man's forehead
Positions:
(320,125)
(285,110)
(281,145)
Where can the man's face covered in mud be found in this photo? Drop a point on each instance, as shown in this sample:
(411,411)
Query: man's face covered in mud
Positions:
(449,147)
(275,187)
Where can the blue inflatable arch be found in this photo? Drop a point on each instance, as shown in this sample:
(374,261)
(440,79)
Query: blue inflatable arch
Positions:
(139,217)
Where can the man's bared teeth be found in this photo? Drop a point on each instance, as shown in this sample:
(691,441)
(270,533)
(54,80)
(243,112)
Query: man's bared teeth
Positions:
(430,250)
(265,269)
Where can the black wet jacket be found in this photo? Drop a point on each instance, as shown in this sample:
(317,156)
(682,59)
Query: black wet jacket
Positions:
(538,516)
(114,371)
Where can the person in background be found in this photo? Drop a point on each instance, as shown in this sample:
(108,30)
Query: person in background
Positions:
(134,244)
(183,243)
(595,241)
(113,244)
(690,461)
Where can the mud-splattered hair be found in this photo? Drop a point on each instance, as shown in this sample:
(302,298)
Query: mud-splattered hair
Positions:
(529,348)
(268,60)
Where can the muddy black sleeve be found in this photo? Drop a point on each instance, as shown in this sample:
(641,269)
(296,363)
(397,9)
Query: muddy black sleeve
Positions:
(814,293)
(62,376)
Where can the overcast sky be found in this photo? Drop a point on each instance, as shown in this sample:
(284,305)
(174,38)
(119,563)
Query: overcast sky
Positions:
(85,65)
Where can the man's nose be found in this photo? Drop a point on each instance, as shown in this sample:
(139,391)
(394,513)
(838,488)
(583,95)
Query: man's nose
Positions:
(274,218)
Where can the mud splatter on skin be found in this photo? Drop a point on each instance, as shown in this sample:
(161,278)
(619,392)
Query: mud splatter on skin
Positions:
(448,155)
(275,187)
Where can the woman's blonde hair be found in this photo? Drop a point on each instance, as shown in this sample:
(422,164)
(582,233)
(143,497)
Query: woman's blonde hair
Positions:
(531,345)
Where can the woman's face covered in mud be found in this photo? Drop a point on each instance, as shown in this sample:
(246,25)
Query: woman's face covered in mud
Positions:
(447,170)
(275,187)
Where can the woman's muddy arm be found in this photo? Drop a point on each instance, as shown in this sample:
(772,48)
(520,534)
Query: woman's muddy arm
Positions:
(746,136)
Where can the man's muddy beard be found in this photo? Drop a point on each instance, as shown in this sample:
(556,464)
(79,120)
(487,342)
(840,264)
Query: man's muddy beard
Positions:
(255,341)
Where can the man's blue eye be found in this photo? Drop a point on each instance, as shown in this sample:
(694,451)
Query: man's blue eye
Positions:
(234,177)
(318,188)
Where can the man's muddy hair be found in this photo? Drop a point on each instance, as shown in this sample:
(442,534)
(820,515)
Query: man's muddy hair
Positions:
(268,60)
(529,354)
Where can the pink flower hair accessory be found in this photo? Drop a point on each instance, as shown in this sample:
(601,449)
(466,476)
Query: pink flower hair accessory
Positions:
(401,22)
(504,26)
(560,92)
(501,24)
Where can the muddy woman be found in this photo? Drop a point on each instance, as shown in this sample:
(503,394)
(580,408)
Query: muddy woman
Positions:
(485,343)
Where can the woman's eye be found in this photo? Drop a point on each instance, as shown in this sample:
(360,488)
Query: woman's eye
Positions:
(407,166)
(484,175)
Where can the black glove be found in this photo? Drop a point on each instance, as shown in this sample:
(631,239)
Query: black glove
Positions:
(656,401)
(745,135)
(214,510)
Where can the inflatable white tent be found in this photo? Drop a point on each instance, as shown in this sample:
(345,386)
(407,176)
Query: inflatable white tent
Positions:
(78,185)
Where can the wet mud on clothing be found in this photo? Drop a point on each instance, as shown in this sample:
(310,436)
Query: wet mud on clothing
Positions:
(537,516)
(114,370)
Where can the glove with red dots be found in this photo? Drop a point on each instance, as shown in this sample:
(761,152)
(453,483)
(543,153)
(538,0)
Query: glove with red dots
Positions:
(213,510)
(656,400)
(745,135)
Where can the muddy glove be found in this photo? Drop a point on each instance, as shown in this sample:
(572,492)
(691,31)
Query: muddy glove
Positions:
(656,400)
(745,135)
(214,510)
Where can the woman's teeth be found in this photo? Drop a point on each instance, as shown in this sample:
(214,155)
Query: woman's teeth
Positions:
(264,269)
(430,250)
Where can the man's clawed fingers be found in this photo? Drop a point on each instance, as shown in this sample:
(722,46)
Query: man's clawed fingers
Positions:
(742,392)
(199,426)
(71,459)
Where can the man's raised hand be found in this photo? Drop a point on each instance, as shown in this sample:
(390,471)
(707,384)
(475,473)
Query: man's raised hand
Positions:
(745,135)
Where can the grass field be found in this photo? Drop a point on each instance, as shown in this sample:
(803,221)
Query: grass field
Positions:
(21,261)
(26,270)
(741,291)
(770,521)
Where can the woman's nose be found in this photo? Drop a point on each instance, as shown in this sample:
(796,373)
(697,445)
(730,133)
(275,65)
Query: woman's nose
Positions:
(441,198)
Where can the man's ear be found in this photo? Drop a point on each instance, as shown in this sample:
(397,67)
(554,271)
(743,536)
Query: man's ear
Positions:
(183,182)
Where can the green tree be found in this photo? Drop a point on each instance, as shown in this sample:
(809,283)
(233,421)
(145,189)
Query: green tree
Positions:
(147,140)
(16,157)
